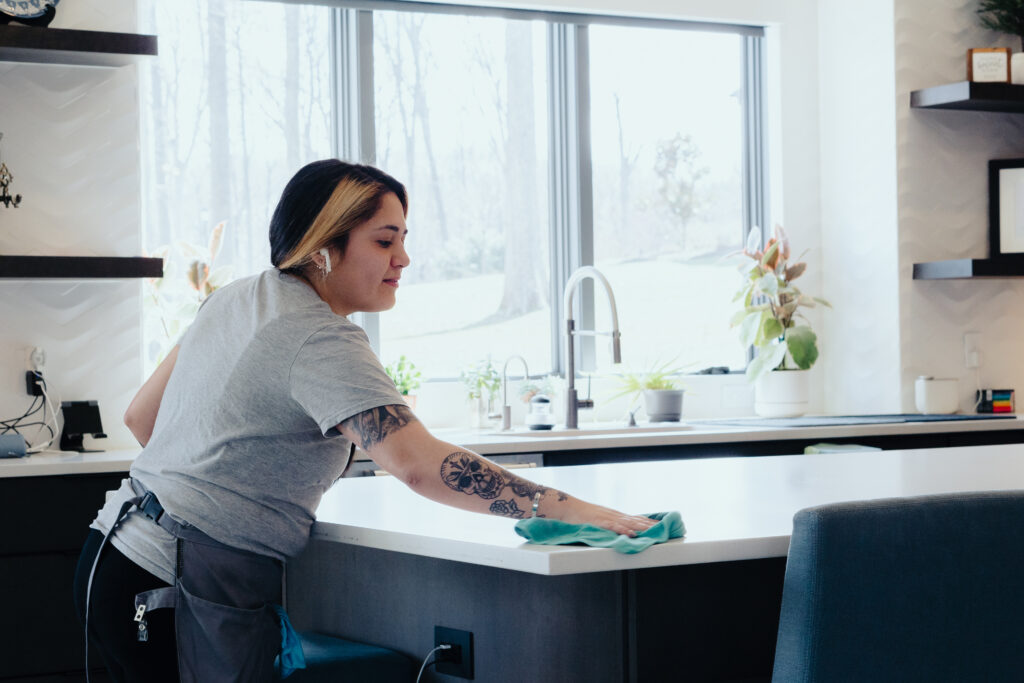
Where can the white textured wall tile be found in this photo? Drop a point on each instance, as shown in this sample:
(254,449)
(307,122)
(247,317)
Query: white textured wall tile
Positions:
(71,139)
(943,205)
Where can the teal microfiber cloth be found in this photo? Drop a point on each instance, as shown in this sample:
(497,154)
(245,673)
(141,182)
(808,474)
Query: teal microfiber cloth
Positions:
(556,532)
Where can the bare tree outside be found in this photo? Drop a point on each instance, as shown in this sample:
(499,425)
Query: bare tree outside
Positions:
(473,134)
(525,284)
(677,165)
(224,129)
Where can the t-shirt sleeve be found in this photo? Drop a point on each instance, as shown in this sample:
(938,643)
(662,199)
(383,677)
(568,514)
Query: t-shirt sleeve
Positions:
(336,375)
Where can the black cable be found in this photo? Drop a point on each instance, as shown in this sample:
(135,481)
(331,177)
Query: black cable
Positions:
(12,424)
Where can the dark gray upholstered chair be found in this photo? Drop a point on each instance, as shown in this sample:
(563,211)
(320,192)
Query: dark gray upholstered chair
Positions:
(928,588)
(335,660)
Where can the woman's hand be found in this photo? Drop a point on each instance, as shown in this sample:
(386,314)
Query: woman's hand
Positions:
(582,512)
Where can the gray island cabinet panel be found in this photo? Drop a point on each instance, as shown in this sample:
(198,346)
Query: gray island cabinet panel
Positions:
(703,622)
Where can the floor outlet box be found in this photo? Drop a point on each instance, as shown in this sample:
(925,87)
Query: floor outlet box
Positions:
(457,661)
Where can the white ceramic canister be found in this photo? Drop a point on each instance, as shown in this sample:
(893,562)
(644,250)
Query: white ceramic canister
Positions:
(936,396)
(1017,68)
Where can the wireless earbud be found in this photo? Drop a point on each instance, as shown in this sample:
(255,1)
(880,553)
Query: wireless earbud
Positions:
(327,261)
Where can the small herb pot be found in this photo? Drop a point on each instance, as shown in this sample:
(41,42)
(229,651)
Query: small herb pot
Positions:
(663,405)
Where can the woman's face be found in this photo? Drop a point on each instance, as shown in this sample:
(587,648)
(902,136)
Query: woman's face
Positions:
(366,277)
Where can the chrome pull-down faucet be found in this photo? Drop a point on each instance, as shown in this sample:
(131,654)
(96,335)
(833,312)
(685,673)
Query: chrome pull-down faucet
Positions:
(572,403)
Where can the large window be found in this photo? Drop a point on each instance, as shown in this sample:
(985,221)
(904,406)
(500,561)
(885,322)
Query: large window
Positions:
(238,99)
(667,149)
(531,143)
(464,124)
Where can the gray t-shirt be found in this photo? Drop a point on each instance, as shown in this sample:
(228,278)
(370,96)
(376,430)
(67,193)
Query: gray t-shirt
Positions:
(245,443)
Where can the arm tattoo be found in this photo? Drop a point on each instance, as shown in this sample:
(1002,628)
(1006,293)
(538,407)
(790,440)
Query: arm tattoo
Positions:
(373,425)
(507,508)
(472,475)
(476,476)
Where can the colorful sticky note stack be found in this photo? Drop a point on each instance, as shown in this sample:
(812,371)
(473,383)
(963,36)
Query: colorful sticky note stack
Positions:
(995,401)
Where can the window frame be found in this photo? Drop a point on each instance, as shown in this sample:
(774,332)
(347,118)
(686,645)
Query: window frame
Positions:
(570,167)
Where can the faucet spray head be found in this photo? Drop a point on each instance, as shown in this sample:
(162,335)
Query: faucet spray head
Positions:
(616,348)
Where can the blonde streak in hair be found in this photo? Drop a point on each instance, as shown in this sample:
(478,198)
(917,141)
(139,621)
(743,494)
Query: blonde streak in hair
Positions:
(339,215)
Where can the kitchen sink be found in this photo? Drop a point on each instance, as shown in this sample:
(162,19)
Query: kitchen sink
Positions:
(598,429)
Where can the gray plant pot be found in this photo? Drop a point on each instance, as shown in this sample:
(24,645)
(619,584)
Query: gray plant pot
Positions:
(663,405)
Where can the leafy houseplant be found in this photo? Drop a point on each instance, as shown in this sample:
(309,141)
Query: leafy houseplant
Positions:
(635,383)
(172,301)
(404,374)
(482,382)
(662,392)
(549,386)
(1005,16)
(406,378)
(771,308)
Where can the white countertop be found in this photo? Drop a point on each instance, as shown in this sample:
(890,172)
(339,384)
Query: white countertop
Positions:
(51,463)
(492,443)
(733,508)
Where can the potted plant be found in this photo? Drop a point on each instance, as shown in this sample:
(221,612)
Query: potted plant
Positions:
(482,382)
(1005,16)
(771,322)
(406,377)
(662,392)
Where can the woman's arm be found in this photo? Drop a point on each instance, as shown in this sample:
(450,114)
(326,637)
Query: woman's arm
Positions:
(445,473)
(141,414)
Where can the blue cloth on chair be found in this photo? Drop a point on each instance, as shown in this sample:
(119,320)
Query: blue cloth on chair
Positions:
(556,532)
(291,657)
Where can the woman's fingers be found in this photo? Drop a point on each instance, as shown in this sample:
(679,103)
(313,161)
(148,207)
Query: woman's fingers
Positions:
(630,525)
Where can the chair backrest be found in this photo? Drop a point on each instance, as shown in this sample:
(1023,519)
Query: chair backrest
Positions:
(928,588)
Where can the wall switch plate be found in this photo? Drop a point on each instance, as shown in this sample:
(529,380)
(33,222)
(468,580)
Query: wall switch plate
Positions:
(459,660)
(972,349)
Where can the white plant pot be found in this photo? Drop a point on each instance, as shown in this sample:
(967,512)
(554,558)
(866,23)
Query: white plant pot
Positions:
(782,393)
(663,405)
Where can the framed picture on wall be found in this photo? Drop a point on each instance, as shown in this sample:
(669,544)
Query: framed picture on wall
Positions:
(1006,207)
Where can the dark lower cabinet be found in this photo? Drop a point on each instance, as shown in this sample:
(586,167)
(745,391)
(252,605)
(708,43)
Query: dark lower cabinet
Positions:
(46,520)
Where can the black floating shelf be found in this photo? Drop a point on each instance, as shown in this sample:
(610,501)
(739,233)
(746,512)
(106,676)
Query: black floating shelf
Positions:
(80,267)
(969,268)
(69,46)
(968,96)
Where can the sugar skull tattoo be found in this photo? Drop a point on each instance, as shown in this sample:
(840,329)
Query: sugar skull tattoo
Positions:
(471,475)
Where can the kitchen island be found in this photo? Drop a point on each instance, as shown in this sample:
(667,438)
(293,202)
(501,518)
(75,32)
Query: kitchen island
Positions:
(49,499)
(385,565)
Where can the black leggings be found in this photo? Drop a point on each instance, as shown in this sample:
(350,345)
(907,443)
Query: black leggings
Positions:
(111,617)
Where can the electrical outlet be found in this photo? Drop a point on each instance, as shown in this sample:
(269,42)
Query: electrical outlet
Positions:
(32,379)
(457,661)
(972,349)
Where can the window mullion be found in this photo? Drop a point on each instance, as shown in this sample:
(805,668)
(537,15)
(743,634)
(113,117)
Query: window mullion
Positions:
(584,163)
(755,177)
(571,207)
(355,138)
(755,180)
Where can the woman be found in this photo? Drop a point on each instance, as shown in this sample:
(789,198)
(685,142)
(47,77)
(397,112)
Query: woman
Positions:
(248,421)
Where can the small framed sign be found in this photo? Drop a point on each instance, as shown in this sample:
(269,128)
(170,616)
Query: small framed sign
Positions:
(1006,207)
(988,64)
